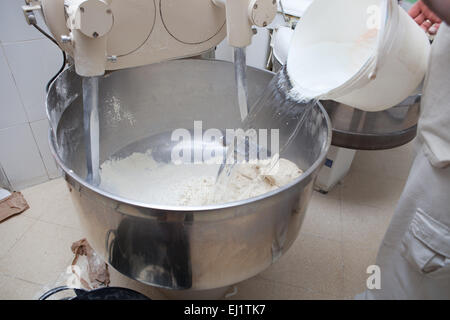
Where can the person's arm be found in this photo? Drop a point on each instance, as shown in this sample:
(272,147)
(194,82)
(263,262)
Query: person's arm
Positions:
(441,8)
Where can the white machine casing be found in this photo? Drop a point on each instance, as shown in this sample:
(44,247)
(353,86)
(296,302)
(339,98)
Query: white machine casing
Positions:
(115,34)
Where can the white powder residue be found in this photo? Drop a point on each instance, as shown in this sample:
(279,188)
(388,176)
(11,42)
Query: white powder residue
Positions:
(139,177)
(115,112)
(319,68)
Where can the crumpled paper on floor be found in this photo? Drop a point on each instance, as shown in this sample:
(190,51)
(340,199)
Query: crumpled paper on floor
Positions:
(12,205)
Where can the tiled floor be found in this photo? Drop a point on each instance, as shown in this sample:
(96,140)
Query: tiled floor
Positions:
(338,241)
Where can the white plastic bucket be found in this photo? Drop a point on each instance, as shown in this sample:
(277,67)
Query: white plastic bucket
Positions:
(396,65)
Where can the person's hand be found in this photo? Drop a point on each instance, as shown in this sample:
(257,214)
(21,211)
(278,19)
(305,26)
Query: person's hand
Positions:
(425,18)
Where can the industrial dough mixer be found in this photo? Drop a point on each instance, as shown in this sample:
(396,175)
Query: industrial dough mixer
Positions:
(173,247)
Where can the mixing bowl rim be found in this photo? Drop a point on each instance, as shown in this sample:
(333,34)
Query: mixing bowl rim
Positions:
(175,208)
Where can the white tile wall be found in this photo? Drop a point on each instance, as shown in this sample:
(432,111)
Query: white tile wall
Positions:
(4,182)
(32,64)
(11,110)
(27,61)
(20,156)
(14,28)
(40,131)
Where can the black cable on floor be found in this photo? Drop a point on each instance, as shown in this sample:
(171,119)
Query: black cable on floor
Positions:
(64,55)
(53,291)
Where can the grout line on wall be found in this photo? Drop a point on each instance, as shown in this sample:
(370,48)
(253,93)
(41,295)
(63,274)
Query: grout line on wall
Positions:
(3,52)
(39,149)
(21,123)
(22,41)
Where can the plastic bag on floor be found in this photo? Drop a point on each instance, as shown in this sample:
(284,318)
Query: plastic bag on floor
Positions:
(93,266)
(87,271)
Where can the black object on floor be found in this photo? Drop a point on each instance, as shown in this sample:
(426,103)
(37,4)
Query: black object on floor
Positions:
(106,293)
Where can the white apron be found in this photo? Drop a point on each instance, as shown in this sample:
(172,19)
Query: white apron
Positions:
(434,122)
(414,257)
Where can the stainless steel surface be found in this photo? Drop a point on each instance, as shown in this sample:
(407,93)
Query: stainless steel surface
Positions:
(240,74)
(171,246)
(356,129)
(91,128)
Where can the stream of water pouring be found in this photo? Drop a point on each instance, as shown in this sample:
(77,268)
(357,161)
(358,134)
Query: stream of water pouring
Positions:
(240,73)
(91,129)
(280,107)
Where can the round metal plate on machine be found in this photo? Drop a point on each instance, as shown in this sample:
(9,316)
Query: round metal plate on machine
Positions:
(132,26)
(262,12)
(95,18)
(198,22)
(360,130)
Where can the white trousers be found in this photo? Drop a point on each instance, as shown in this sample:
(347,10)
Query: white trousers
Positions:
(414,257)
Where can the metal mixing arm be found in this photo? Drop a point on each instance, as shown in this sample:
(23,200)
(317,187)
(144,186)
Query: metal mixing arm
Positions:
(89,22)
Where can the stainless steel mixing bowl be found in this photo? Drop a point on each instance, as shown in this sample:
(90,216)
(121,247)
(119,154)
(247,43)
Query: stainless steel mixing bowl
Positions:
(171,246)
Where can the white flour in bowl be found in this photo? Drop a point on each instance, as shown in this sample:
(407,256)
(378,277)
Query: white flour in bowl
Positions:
(139,177)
